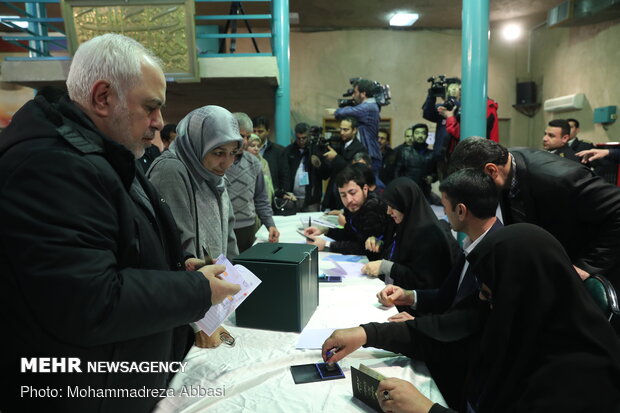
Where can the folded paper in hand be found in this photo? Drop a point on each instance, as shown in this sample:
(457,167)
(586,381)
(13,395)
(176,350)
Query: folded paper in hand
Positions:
(235,274)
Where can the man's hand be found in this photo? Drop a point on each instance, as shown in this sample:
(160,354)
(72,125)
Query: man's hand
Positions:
(582,274)
(334,212)
(400,317)
(592,154)
(393,295)
(192,264)
(315,161)
(330,154)
(402,397)
(289,195)
(274,234)
(313,231)
(372,268)
(220,289)
(319,242)
(373,244)
(346,341)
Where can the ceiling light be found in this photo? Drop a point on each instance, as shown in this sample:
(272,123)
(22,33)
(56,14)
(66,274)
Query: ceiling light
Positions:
(23,25)
(512,32)
(404,19)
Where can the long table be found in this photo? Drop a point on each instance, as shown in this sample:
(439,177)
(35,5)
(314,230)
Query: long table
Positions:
(254,375)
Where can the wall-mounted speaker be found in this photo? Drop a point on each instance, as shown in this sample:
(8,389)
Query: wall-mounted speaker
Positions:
(526,93)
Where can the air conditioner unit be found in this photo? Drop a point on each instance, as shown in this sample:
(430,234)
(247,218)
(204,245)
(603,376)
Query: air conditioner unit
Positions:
(570,102)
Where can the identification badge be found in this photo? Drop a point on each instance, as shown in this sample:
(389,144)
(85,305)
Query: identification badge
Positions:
(304,179)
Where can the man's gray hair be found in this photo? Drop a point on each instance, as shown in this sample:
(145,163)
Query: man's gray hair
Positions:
(112,57)
(244,121)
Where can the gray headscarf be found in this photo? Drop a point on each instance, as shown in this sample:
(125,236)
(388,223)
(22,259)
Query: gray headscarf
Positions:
(201,131)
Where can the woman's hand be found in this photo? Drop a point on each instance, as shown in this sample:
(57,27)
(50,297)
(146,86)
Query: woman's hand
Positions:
(372,268)
(373,244)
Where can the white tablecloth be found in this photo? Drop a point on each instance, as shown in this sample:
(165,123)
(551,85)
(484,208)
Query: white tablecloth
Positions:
(254,375)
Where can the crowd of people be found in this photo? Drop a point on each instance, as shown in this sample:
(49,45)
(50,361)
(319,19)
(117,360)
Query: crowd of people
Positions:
(108,243)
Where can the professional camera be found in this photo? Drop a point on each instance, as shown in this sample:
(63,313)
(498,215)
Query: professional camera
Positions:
(450,103)
(380,92)
(317,141)
(439,85)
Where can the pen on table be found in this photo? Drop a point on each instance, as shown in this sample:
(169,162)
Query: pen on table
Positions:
(309,222)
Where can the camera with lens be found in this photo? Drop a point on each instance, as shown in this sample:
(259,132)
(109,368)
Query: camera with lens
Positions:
(439,86)
(317,141)
(380,92)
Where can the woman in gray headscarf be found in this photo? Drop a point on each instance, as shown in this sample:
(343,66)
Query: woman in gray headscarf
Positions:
(190,177)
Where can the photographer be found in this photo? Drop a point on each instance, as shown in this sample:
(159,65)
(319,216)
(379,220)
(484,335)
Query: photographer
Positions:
(454,128)
(366,112)
(335,160)
(306,183)
(449,91)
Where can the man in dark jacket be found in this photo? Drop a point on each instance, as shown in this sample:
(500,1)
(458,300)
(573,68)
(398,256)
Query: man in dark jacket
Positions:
(274,155)
(92,267)
(306,184)
(416,161)
(367,217)
(338,158)
(564,197)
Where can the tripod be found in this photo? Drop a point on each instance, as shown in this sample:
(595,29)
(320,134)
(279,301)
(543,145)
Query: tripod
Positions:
(236,9)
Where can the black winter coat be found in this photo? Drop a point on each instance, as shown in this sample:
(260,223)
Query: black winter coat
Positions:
(86,268)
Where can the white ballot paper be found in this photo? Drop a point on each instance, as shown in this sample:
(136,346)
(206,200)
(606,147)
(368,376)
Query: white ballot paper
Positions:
(346,269)
(235,274)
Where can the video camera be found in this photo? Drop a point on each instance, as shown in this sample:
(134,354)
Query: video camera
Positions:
(380,92)
(439,88)
(317,142)
(439,85)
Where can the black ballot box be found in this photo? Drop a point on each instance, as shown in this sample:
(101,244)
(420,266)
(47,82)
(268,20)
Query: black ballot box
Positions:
(289,292)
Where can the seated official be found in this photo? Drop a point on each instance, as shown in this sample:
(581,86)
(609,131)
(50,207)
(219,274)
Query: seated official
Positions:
(545,345)
(416,252)
(470,201)
(367,216)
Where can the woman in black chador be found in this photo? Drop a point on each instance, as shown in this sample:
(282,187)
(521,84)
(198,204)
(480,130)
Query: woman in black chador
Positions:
(545,347)
(417,252)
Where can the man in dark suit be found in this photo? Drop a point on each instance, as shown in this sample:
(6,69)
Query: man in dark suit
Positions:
(335,160)
(274,155)
(555,139)
(470,200)
(576,144)
(564,197)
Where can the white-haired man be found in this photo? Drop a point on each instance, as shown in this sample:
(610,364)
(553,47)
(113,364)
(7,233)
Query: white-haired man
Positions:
(92,267)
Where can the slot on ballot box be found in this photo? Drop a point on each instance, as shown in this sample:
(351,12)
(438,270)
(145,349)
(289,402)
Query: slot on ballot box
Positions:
(289,292)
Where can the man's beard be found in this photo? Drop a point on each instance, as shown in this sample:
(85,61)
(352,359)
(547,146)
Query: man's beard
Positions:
(120,126)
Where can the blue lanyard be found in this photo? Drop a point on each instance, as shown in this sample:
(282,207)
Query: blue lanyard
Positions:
(390,257)
(350,222)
